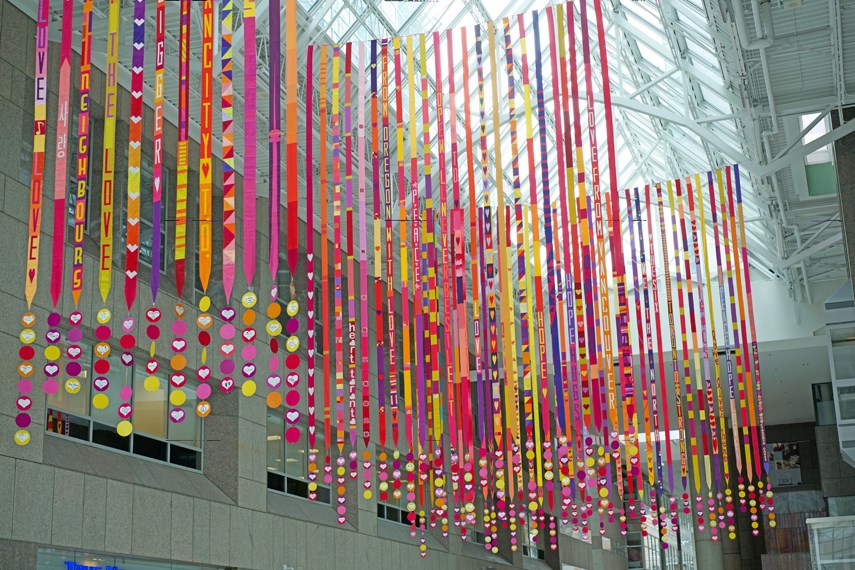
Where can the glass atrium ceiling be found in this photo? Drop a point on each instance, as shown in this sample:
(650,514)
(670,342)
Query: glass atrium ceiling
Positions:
(675,114)
(662,59)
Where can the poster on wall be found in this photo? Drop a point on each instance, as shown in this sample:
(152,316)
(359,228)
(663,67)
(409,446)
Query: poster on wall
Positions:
(784,464)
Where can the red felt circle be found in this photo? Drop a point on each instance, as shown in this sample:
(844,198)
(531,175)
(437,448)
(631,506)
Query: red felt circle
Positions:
(101,366)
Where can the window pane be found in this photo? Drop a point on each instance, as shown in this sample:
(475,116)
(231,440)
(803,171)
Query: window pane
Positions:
(189,431)
(275,453)
(149,407)
(118,376)
(75,403)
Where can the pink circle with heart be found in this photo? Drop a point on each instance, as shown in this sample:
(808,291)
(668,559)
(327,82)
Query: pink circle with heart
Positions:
(75,318)
(50,387)
(177,415)
(126,393)
(203,391)
(25,386)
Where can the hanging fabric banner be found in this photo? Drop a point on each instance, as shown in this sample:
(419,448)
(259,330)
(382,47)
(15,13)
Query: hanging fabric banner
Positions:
(28,319)
(183,147)
(310,267)
(63,118)
(100,382)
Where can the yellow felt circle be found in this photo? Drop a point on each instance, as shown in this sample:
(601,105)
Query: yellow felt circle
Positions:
(103,316)
(292,344)
(100,401)
(274,328)
(177,398)
(22,437)
(124,428)
(249,299)
(532,506)
(151,384)
(72,385)
(52,352)
(248,388)
(292,308)
(367,495)
(204,303)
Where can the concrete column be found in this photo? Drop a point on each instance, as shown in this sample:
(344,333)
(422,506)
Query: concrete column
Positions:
(712,553)
(844,160)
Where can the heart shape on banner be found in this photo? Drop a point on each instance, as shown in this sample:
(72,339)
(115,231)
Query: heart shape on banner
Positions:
(227,314)
(101,383)
(293,379)
(72,386)
(179,312)
(102,349)
(179,344)
(177,379)
(292,416)
(75,318)
(274,381)
(153,315)
(248,370)
(227,385)
(127,358)
(27,336)
(28,319)
(25,369)
(22,437)
(128,324)
(227,348)
(248,335)
(52,336)
(103,316)
(204,373)
(152,366)
(249,299)
(23,403)
(125,411)
(204,321)
(51,369)
(73,352)
(177,415)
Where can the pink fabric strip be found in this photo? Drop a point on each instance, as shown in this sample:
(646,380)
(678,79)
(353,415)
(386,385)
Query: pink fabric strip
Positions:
(63,115)
(249,143)
(363,254)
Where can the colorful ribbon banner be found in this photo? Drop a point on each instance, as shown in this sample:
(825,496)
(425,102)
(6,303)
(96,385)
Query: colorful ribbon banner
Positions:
(542,387)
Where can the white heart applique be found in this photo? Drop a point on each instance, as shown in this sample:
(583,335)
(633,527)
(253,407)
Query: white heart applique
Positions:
(293,416)
(176,415)
(125,411)
(73,351)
